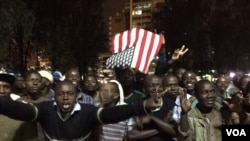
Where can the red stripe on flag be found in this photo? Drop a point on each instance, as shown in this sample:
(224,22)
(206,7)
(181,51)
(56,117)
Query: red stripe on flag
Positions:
(154,50)
(131,39)
(149,51)
(141,46)
(146,46)
(120,42)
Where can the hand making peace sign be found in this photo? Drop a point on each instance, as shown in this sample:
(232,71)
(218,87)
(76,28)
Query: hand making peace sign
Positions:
(179,53)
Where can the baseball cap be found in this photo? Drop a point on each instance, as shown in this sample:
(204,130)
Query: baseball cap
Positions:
(46,74)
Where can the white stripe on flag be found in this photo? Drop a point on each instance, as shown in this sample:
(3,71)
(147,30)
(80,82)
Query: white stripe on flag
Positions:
(138,47)
(146,43)
(116,43)
(153,53)
(145,51)
(124,40)
(132,37)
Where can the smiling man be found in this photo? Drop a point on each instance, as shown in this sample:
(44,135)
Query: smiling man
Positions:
(203,122)
(66,119)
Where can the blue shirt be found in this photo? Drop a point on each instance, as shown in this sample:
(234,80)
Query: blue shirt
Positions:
(85,99)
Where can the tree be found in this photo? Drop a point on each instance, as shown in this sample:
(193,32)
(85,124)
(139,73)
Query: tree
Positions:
(70,33)
(17,22)
(215,31)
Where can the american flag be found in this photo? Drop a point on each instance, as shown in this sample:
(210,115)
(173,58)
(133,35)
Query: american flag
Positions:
(135,48)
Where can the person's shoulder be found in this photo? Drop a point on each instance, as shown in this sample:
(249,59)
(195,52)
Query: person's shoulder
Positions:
(138,93)
(14,96)
(44,104)
(82,94)
(87,106)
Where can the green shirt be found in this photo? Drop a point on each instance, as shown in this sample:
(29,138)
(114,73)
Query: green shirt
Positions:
(133,97)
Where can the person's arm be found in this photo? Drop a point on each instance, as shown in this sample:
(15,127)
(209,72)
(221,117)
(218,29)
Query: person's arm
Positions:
(165,127)
(163,65)
(244,118)
(235,104)
(17,110)
(141,134)
(184,125)
(185,106)
(123,112)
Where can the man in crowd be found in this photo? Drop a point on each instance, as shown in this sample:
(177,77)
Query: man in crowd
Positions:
(204,121)
(8,126)
(111,94)
(154,126)
(66,119)
(73,75)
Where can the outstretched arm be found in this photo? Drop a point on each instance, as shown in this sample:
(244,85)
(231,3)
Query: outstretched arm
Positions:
(123,112)
(17,110)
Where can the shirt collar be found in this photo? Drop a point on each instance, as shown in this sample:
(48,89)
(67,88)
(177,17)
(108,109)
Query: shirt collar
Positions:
(76,108)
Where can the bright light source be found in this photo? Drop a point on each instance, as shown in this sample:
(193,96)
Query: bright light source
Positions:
(232,74)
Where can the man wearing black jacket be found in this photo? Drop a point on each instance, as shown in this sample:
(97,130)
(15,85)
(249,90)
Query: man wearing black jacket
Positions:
(66,119)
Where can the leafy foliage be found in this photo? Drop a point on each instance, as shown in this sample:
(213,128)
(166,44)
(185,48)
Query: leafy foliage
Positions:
(215,31)
(16,30)
(70,33)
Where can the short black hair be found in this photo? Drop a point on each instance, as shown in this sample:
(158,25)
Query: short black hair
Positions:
(199,84)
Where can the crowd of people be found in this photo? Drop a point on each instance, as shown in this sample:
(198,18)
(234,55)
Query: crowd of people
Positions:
(131,106)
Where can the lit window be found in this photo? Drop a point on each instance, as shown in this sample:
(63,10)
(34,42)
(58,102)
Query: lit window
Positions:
(137,12)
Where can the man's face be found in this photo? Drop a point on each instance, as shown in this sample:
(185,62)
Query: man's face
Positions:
(73,76)
(33,83)
(171,82)
(153,85)
(206,95)
(243,82)
(140,77)
(179,73)
(90,83)
(126,77)
(189,79)
(45,83)
(108,94)
(223,83)
(65,96)
(19,81)
(5,88)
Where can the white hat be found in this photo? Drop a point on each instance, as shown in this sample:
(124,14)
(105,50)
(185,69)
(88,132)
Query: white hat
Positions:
(46,74)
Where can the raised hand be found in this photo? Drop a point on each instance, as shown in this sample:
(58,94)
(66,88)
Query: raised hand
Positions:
(234,104)
(153,101)
(164,91)
(179,53)
(185,103)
